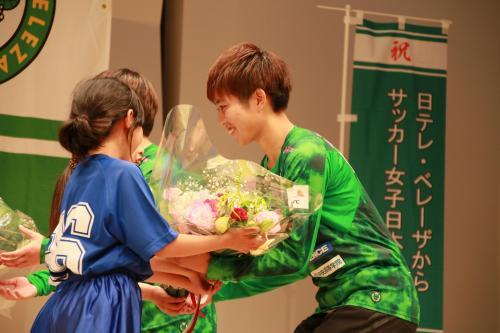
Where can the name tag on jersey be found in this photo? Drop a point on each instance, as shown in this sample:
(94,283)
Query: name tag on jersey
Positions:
(321,250)
(298,197)
(329,267)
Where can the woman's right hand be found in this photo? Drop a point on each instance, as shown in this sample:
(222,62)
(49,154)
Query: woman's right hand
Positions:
(17,288)
(243,239)
(166,303)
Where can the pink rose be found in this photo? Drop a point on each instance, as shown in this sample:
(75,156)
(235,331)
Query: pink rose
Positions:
(201,214)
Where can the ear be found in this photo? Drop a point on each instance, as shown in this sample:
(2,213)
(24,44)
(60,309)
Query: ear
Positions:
(260,98)
(129,119)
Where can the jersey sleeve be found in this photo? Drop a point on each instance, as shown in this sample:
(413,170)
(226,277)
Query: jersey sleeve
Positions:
(140,226)
(251,287)
(43,248)
(304,165)
(343,194)
(40,280)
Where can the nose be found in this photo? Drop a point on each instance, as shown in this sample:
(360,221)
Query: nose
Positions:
(220,117)
(138,156)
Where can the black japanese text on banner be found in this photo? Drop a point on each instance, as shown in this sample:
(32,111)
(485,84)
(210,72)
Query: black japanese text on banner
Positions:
(397,145)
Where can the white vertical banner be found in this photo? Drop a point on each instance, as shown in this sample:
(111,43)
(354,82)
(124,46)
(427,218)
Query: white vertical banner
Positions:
(76,46)
(46,48)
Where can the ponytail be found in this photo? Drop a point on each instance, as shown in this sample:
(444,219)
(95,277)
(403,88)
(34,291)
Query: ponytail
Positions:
(55,208)
(97,105)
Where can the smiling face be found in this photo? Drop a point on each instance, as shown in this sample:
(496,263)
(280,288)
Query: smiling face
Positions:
(243,121)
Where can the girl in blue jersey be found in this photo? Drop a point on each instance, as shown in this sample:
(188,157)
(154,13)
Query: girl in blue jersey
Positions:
(108,226)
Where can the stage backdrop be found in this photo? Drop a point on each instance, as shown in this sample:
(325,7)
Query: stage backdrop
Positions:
(397,145)
(46,47)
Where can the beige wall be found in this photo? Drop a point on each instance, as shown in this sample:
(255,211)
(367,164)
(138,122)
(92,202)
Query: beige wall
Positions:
(135,44)
(18,317)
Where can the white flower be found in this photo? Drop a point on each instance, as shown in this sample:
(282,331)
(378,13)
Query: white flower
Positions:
(171,193)
(268,221)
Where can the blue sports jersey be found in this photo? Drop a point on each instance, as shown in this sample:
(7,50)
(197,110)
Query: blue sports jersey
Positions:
(108,230)
(108,224)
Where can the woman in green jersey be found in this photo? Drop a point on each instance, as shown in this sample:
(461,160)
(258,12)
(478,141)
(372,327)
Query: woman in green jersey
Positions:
(364,284)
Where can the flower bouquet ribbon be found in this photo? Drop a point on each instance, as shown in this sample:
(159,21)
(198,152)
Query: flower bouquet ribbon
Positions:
(200,192)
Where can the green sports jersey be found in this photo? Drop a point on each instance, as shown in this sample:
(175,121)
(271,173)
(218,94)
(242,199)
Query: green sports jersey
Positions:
(148,160)
(345,247)
(153,320)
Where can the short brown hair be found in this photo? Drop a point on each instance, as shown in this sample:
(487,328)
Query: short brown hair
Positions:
(243,68)
(144,90)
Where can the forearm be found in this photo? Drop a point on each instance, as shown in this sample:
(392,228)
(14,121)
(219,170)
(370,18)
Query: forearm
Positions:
(238,268)
(167,265)
(247,288)
(40,280)
(196,285)
(288,257)
(189,245)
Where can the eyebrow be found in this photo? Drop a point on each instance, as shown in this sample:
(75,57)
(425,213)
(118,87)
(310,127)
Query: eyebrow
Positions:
(219,98)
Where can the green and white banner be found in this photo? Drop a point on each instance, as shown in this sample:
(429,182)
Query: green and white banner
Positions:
(397,145)
(45,49)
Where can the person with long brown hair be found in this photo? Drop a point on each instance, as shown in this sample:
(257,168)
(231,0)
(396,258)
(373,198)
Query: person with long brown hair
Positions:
(108,227)
(160,311)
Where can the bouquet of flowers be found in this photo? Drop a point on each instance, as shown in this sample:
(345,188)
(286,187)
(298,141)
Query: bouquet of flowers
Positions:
(200,192)
(10,220)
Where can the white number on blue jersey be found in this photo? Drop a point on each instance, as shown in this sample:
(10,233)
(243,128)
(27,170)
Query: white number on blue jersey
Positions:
(66,253)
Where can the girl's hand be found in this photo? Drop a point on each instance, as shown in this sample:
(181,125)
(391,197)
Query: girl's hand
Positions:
(243,239)
(170,305)
(26,256)
(17,288)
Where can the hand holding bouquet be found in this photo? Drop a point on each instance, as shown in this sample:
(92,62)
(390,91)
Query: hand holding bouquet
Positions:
(11,237)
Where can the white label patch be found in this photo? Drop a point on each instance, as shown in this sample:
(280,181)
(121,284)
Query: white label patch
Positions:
(322,249)
(329,267)
(298,197)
